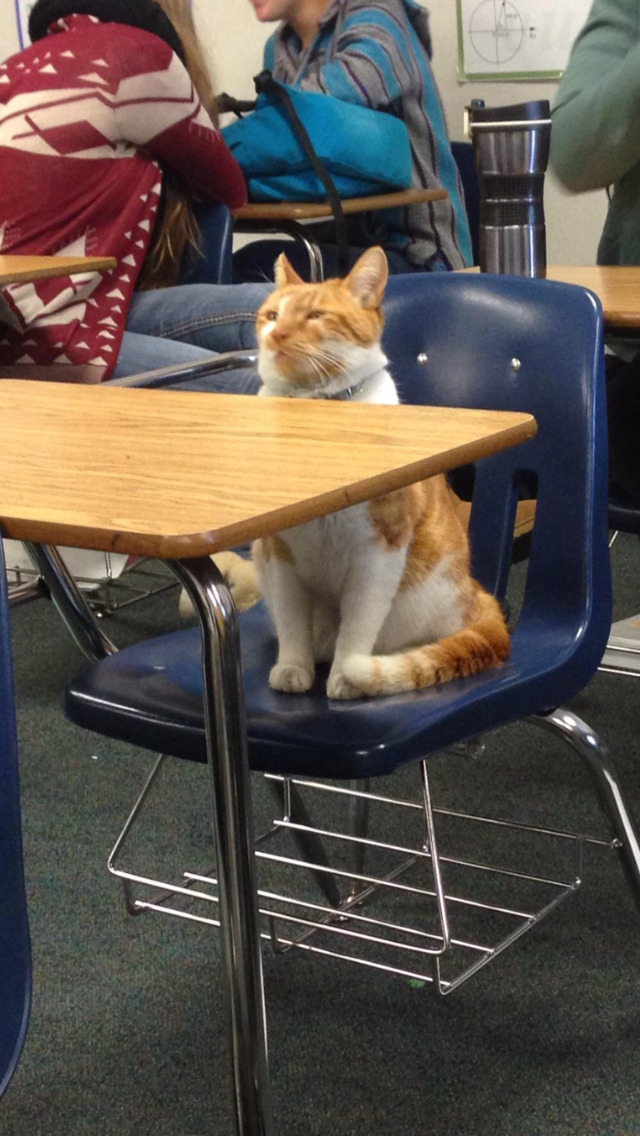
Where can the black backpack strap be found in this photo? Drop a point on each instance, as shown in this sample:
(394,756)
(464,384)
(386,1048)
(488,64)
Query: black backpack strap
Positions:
(266,84)
(227,104)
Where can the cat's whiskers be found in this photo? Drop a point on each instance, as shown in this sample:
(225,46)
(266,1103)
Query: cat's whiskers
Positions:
(316,366)
(323,361)
(325,365)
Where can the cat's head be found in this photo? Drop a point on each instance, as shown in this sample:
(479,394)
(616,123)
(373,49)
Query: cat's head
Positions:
(316,340)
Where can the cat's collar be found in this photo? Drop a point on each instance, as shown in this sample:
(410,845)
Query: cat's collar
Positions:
(369,379)
(346,394)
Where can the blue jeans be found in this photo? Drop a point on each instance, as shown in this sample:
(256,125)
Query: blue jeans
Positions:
(186,323)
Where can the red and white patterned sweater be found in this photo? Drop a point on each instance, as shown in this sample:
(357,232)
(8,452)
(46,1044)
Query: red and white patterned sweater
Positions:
(87,115)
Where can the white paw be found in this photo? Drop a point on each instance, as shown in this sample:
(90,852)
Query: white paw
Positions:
(291,678)
(240,577)
(339,686)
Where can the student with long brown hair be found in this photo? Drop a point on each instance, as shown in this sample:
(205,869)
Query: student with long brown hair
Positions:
(107,135)
(176,228)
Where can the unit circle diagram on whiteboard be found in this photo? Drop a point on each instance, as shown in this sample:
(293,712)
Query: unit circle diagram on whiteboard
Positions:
(511,39)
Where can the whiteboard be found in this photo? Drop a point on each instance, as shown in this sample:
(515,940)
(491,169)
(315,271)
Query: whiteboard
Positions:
(517,39)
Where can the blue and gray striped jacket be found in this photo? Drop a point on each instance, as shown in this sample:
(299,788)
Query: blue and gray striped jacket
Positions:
(377,53)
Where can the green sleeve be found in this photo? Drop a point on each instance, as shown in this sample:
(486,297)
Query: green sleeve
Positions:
(595,136)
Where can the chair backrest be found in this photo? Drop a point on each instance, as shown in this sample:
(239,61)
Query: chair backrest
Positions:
(622,516)
(15,954)
(510,343)
(465,159)
(212,264)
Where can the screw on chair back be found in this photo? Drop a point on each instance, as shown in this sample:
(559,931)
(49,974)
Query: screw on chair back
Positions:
(15,954)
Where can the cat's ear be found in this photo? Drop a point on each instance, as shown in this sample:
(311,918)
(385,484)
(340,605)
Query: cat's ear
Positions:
(284,273)
(368,278)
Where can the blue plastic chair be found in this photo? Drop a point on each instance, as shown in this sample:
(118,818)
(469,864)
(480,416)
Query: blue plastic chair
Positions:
(212,264)
(15,952)
(493,342)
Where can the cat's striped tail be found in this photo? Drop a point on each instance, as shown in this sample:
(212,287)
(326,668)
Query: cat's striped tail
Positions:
(484,643)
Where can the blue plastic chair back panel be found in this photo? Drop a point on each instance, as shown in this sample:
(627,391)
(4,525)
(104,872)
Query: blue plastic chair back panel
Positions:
(499,342)
(15,954)
(471,330)
(212,264)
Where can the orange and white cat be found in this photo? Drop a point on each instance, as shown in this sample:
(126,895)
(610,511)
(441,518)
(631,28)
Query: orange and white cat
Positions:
(381,590)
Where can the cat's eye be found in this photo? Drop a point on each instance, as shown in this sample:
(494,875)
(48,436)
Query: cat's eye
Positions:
(271,315)
(316,315)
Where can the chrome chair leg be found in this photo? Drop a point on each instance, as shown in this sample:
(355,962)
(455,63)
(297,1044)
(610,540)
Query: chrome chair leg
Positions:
(316,267)
(233,830)
(69,601)
(358,826)
(607,782)
(309,844)
(130,903)
(25,592)
(300,233)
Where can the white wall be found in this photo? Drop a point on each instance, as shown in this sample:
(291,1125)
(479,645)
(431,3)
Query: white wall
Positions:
(8,30)
(233,39)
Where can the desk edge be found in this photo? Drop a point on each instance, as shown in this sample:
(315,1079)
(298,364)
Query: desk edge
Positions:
(186,545)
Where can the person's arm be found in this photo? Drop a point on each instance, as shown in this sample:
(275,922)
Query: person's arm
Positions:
(159,110)
(595,135)
(369,66)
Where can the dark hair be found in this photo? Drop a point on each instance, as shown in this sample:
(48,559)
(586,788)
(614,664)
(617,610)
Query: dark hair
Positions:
(144,14)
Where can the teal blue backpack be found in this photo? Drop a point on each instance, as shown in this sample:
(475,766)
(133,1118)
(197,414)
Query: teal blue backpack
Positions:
(298,145)
(302,146)
(363,151)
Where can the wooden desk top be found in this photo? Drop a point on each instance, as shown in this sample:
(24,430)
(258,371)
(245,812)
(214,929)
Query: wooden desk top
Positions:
(617,287)
(14,269)
(171,474)
(312,210)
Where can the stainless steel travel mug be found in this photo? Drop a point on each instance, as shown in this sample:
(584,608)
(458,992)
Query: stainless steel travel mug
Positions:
(511,146)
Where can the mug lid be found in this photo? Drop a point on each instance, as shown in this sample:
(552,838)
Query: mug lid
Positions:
(536,110)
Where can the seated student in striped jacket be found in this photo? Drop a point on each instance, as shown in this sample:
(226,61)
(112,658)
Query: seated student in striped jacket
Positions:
(375,53)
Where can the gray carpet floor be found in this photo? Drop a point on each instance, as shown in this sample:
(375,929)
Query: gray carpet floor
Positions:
(127,1032)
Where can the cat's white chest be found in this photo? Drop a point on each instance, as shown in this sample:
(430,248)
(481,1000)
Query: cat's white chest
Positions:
(325,551)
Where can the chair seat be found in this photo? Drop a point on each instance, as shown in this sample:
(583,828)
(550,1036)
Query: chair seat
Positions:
(150,694)
(623,516)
